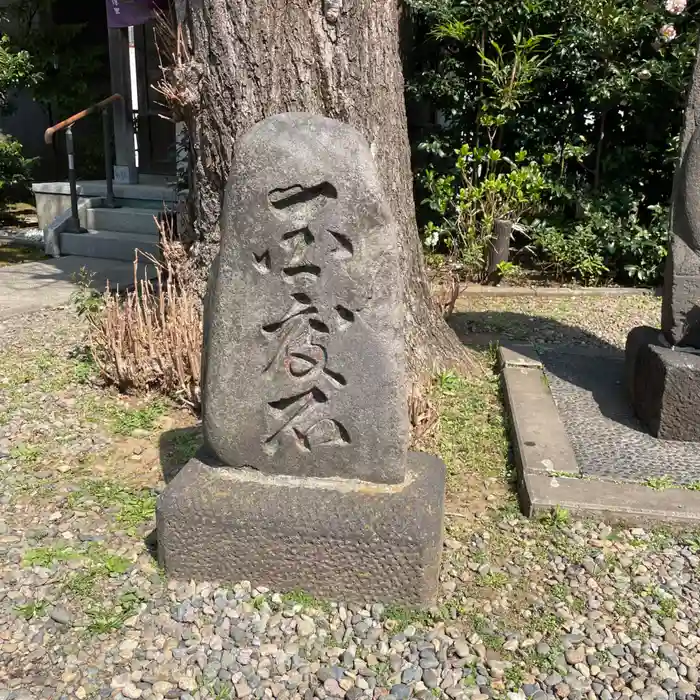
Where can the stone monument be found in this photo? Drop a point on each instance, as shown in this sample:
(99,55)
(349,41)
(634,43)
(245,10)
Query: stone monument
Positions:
(304,481)
(663,367)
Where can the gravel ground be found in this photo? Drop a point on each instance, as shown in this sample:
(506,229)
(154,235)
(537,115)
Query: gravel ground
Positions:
(18,223)
(20,227)
(28,236)
(583,320)
(551,609)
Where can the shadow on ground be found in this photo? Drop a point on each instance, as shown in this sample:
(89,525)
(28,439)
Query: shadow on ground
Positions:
(570,353)
(177,447)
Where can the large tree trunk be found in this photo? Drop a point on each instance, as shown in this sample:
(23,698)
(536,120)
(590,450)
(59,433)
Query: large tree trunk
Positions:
(338,58)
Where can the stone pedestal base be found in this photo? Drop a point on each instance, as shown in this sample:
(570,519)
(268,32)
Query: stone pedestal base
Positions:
(336,539)
(664,385)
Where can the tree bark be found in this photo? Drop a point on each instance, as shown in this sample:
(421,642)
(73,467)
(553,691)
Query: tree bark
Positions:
(338,58)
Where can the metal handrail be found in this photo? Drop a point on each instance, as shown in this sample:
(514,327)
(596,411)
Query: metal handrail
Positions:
(67,125)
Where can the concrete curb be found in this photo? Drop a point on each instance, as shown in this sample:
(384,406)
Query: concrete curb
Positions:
(478,290)
(548,475)
(613,502)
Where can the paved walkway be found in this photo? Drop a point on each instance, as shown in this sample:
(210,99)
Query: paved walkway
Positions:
(588,386)
(33,286)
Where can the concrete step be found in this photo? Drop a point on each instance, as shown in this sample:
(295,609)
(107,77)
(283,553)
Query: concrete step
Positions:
(157,205)
(113,245)
(127,219)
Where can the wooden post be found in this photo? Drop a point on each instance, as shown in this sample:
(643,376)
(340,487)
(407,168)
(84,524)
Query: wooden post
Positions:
(498,249)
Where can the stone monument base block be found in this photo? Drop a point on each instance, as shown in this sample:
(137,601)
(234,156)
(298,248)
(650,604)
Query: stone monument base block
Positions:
(664,384)
(336,539)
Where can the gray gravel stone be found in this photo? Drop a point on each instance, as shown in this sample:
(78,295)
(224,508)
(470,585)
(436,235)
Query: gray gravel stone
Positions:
(553,680)
(575,655)
(61,615)
(431,678)
(401,691)
(462,649)
(411,675)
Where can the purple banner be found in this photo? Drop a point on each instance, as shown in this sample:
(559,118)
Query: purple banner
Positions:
(128,13)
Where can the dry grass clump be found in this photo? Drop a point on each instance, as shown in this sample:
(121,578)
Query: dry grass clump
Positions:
(150,337)
(422,412)
(444,288)
(180,74)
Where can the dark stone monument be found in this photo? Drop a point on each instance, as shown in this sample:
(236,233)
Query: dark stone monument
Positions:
(680,313)
(305,480)
(664,384)
(663,367)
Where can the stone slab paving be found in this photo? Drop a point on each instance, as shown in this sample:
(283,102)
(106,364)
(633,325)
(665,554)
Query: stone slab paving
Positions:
(485,292)
(587,385)
(32,286)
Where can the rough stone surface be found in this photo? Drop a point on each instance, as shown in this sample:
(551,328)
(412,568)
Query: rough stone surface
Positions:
(639,338)
(331,538)
(588,386)
(680,315)
(665,386)
(304,342)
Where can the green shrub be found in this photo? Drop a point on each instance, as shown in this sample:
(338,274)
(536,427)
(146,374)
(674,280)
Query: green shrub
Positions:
(16,70)
(639,252)
(483,187)
(614,239)
(15,169)
(601,84)
(566,254)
